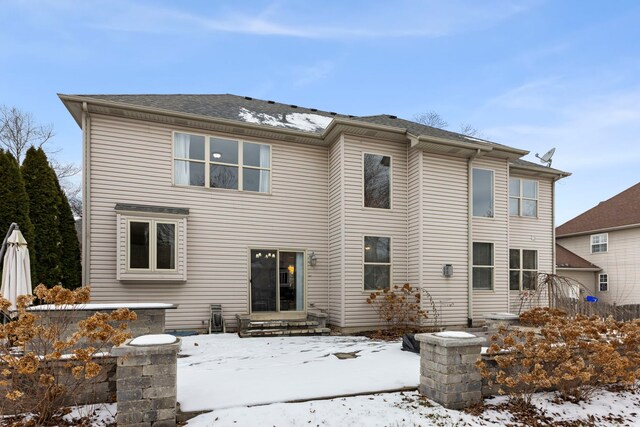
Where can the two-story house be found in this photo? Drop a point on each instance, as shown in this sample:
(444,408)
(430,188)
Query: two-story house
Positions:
(275,210)
(607,240)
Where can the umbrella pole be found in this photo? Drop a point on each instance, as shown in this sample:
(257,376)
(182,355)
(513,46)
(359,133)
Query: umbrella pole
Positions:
(12,227)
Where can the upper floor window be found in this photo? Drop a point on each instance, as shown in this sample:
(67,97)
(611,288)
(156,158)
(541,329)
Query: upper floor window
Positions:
(603,282)
(523,197)
(377,181)
(523,269)
(482,266)
(599,243)
(377,263)
(221,163)
(482,192)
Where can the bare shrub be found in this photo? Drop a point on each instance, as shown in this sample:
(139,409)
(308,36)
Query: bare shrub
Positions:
(44,363)
(399,308)
(574,356)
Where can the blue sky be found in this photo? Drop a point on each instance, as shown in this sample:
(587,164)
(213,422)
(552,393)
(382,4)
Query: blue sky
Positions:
(531,74)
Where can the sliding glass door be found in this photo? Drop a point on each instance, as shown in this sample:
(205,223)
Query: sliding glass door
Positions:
(277,280)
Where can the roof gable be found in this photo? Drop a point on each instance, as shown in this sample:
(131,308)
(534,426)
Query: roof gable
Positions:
(567,259)
(621,210)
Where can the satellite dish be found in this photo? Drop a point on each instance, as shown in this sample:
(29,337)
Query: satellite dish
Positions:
(547,157)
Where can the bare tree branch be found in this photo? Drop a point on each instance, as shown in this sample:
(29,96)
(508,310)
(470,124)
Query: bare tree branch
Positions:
(432,119)
(19,131)
(64,170)
(467,129)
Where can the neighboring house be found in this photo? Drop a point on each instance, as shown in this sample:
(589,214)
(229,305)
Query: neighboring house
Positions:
(276,210)
(607,238)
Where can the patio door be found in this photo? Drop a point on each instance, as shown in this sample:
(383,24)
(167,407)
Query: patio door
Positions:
(277,281)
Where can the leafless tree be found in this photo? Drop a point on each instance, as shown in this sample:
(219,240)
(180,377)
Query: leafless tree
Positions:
(467,129)
(432,119)
(435,120)
(19,131)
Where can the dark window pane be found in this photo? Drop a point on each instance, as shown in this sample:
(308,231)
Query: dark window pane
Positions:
(514,206)
(264,280)
(223,151)
(257,155)
(165,246)
(514,187)
(529,279)
(255,180)
(514,280)
(529,207)
(530,260)
(529,189)
(482,193)
(138,244)
(189,146)
(482,278)
(223,177)
(376,277)
(377,181)
(483,254)
(377,249)
(514,258)
(189,173)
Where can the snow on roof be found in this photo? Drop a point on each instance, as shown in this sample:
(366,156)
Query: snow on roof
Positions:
(306,122)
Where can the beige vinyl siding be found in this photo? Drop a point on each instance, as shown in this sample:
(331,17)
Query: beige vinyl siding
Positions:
(360,222)
(535,234)
(494,230)
(588,279)
(445,235)
(336,233)
(621,262)
(131,162)
(414,213)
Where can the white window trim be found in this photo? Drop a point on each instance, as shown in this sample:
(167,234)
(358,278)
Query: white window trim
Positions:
(153,249)
(521,269)
(492,267)
(364,153)
(521,197)
(207,163)
(390,263)
(606,242)
(493,193)
(600,281)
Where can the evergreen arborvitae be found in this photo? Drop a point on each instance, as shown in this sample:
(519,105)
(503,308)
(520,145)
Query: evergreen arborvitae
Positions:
(44,205)
(70,256)
(14,202)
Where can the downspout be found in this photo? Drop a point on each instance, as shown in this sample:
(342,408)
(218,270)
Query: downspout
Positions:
(86,216)
(470,238)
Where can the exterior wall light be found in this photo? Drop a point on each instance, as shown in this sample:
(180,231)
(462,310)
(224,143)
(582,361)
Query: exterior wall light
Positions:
(313,260)
(447,270)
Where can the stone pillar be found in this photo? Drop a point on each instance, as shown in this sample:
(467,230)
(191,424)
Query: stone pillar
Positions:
(146,381)
(448,374)
(494,321)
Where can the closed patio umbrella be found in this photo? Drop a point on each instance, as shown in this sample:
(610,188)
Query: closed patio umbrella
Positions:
(16,268)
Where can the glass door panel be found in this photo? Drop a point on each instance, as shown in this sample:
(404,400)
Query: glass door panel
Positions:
(264,280)
(291,281)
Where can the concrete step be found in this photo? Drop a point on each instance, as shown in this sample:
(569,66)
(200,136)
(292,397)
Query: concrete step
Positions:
(271,332)
(278,324)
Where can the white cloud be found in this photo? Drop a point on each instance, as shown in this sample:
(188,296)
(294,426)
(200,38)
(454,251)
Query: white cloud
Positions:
(410,18)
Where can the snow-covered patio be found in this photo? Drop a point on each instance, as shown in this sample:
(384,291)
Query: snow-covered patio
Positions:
(224,371)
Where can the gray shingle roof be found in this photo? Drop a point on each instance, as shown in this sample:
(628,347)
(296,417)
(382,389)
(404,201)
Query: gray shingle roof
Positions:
(231,106)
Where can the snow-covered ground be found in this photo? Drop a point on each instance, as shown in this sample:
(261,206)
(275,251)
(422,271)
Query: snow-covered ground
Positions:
(224,371)
(410,409)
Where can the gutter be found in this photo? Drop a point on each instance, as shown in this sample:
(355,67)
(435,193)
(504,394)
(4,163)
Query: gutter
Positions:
(599,230)
(86,194)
